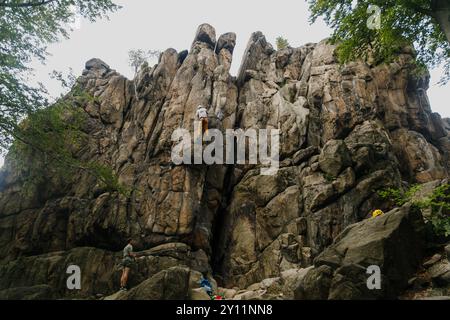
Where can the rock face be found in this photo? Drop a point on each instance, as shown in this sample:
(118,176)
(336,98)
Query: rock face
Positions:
(394,242)
(170,284)
(345,132)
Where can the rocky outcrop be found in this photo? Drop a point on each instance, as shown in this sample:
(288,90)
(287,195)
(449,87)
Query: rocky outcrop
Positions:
(394,242)
(170,284)
(346,131)
(432,279)
(350,118)
(100,274)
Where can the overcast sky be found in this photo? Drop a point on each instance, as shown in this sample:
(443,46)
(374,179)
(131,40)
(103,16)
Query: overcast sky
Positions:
(158,25)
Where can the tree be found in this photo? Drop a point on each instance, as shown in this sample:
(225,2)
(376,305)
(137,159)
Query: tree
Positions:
(138,57)
(26,28)
(282,43)
(425,24)
(437,203)
(44,139)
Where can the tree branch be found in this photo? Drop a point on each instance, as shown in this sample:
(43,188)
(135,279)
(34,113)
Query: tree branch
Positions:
(419,9)
(25,4)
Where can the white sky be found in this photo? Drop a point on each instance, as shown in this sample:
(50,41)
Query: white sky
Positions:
(158,25)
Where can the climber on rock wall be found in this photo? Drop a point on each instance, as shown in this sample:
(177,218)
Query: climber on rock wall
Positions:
(202,116)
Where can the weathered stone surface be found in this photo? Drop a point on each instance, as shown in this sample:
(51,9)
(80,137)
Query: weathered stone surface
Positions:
(96,64)
(315,285)
(198,294)
(447,251)
(279,288)
(226,41)
(42,292)
(394,242)
(98,272)
(440,273)
(345,132)
(421,160)
(432,260)
(100,269)
(431,282)
(170,284)
(207,34)
(334,158)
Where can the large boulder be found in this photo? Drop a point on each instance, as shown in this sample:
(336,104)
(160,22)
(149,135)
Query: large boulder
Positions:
(421,161)
(440,273)
(394,242)
(170,284)
(279,288)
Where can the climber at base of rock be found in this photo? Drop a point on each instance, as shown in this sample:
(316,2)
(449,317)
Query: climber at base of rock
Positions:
(202,116)
(127,262)
(206,285)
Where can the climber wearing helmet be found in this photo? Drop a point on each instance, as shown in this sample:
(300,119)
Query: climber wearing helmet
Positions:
(377,213)
(202,116)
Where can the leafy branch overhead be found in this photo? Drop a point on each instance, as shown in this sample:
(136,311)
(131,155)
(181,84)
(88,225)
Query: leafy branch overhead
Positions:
(52,142)
(26,29)
(438,203)
(34,130)
(424,24)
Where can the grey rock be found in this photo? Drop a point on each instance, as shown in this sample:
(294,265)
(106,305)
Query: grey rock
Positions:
(447,251)
(437,298)
(435,258)
(440,273)
(170,284)
(334,157)
(226,41)
(394,242)
(41,292)
(96,64)
(206,34)
(315,285)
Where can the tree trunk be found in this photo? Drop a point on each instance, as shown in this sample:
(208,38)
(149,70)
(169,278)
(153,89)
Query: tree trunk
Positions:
(441,12)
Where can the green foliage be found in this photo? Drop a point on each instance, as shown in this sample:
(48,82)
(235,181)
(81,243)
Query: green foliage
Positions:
(110,180)
(282,43)
(403,23)
(26,28)
(50,143)
(139,57)
(398,196)
(329,177)
(47,141)
(438,202)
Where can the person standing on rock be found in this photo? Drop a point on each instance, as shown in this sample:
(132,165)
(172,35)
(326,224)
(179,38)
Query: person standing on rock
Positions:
(202,116)
(127,262)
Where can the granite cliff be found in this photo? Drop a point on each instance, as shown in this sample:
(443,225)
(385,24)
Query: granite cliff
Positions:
(347,131)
